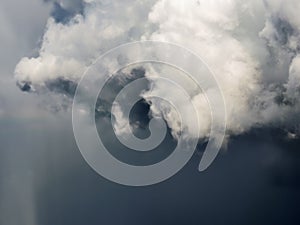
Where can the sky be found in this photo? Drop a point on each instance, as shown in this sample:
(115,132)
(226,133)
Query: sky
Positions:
(252,48)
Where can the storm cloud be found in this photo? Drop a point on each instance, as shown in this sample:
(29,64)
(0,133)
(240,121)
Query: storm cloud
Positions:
(251,46)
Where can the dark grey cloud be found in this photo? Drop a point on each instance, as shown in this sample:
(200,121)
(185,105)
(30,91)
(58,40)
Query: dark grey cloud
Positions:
(284,30)
(63,11)
(114,85)
(61,86)
(237,188)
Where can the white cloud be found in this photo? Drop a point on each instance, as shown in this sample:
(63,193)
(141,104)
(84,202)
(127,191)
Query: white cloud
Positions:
(250,46)
(67,49)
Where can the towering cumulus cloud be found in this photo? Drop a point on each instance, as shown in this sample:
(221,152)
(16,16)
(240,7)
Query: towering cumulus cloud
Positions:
(252,47)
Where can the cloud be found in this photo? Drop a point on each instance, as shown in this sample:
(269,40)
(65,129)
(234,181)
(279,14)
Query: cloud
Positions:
(64,10)
(251,46)
(237,39)
(67,49)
